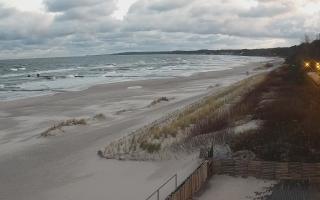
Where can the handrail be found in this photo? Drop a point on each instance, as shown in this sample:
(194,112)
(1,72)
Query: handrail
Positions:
(188,182)
(165,183)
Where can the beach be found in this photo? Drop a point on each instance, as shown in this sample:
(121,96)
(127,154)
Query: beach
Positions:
(65,166)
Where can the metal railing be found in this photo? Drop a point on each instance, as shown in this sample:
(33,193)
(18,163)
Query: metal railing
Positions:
(192,184)
(157,192)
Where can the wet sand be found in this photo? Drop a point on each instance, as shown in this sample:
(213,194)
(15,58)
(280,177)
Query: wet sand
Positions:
(66,166)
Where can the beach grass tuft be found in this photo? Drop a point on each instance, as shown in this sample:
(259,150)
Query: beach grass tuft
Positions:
(99,116)
(60,125)
(159,100)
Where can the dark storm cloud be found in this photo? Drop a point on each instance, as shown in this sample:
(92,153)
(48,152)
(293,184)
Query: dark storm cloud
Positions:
(84,10)
(64,5)
(79,27)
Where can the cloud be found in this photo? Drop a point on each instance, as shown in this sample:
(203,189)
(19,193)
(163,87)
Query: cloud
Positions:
(268,8)
(167,5)
(251,19)
(80,27)
(17,25)
(63,5)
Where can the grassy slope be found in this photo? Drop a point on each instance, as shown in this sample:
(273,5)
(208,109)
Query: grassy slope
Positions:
(291,130)
(209,115)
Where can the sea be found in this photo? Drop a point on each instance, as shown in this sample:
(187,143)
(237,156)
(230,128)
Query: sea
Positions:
(42,76)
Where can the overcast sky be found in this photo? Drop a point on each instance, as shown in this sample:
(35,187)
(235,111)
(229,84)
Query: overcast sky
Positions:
(46,28)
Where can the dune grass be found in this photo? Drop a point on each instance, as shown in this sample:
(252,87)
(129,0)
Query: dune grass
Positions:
(150,147)
(159,100)
(60,125)
(71,122)
(210,115)
(99,116)
(205,116)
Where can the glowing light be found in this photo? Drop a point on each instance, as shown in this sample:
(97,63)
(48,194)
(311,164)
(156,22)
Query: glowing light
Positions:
(318,66)
(307,64)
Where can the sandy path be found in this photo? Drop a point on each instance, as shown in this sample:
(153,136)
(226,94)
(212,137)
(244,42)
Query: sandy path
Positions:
(65,166)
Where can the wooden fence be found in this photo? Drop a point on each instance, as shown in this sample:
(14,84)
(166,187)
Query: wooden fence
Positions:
(192,184)
(268,170)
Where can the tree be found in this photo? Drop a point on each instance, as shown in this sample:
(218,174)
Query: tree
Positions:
(307,39)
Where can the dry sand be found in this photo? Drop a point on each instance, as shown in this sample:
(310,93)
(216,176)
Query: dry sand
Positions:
(66,166)
(223,187)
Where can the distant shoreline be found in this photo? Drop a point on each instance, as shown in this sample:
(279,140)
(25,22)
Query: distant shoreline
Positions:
(263,52)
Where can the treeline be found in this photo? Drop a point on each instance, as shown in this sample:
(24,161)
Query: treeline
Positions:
(293,55)
(270,52)
(308,51)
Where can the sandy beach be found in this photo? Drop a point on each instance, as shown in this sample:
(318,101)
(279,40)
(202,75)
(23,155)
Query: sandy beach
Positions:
(65,166)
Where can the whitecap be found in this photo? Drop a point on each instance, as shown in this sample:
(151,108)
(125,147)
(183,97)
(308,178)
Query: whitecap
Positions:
(134,87)
(55,70)
(14,69)
(110,74)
